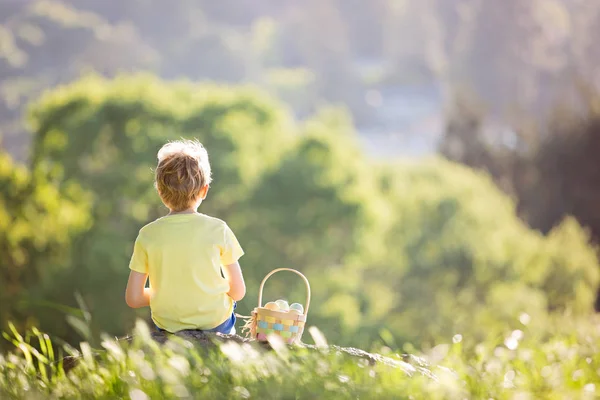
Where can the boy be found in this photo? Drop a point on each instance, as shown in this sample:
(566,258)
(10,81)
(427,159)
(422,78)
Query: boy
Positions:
(184,253)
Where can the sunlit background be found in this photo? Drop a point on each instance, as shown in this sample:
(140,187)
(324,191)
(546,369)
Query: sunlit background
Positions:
(430,165)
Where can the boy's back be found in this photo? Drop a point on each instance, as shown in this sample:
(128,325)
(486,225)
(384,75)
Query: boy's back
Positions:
(183,254)
(190,259)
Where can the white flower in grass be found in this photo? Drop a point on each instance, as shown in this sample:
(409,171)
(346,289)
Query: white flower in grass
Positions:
(511,343)
(113,349)
(181,391)
(180,364)
(278,345)
(317,336)
(242,392)
(141,330)
(233,351)
(525,318)
(137,394)
(589,388)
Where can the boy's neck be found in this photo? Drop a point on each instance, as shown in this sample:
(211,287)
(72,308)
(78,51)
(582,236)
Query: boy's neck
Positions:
(188,211)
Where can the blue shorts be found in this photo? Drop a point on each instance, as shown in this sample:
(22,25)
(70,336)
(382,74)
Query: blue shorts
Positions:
(227,327)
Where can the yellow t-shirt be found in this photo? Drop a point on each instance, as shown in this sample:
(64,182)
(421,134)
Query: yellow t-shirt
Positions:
(183,255)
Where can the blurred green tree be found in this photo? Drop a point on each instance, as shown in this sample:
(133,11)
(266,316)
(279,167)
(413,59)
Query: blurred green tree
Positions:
(550,169)
(468,263)
(38,225)
(319,212)
(411,251)
(104,135)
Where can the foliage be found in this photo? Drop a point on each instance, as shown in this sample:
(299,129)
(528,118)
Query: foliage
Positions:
(566,167)
(430,42)
(395,251)
(460,246)
(104,135)
(522,364)
(318,193)
(37,226)
(436,249)
(319,212)
(550,169)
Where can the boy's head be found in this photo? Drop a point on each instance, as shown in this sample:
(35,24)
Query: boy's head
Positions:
(183,174)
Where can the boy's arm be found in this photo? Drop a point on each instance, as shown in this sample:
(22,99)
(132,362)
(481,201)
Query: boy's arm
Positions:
(136,294)
(237,286)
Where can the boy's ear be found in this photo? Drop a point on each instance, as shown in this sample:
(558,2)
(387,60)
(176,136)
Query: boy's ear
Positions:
(204,192)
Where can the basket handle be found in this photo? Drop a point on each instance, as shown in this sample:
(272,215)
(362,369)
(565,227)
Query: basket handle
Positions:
(262,285)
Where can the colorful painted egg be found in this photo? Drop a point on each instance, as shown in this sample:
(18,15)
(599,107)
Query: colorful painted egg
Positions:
(298,307)
(283,305)
(294,312)
(272,306)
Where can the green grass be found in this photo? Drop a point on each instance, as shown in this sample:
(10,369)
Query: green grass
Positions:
(562,364)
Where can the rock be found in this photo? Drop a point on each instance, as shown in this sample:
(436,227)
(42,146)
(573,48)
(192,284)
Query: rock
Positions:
(200,338)
(408,364)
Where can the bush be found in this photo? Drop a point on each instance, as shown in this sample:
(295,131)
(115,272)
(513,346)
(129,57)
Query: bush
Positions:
(549,166)
(399,252)
(37,228)
(104,136)
(521,364)
(462,260)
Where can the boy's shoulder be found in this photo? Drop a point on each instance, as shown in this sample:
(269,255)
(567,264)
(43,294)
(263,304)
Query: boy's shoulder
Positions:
(200,218)
(210,219)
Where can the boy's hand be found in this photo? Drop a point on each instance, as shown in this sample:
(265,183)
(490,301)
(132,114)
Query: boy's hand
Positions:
(137,294)
(237,286)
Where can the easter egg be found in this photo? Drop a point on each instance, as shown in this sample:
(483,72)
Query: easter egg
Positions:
(283,305)
(298,307)
(293,312)
(272,306)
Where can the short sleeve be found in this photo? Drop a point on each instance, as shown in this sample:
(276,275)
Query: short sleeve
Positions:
(231,251)
(139,259)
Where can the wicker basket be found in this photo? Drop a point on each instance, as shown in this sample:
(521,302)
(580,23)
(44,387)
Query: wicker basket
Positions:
(289,326)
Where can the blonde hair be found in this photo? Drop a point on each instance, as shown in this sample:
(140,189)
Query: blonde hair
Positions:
(183,170)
